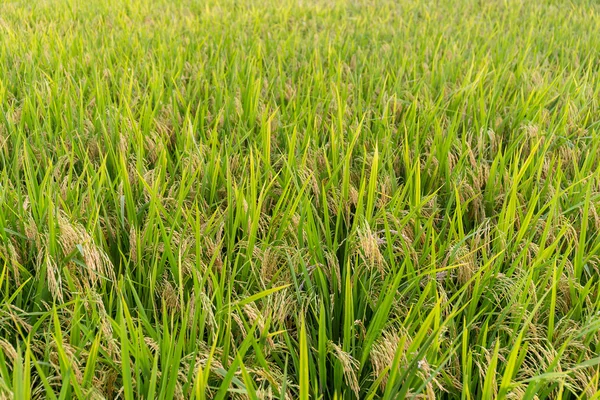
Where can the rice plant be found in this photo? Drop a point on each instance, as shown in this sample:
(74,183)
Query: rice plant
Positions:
(313,199)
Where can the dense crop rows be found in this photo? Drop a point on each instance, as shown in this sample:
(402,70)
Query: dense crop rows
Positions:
(287,199)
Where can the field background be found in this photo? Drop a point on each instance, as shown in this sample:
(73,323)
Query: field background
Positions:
(299,199)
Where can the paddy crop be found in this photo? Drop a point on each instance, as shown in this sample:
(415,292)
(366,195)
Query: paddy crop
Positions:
(311,199)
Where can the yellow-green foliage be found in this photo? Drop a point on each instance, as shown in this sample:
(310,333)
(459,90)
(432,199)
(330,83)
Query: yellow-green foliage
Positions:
(313,199)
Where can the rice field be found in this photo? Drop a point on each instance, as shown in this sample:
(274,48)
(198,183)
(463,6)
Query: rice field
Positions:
(299,199)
